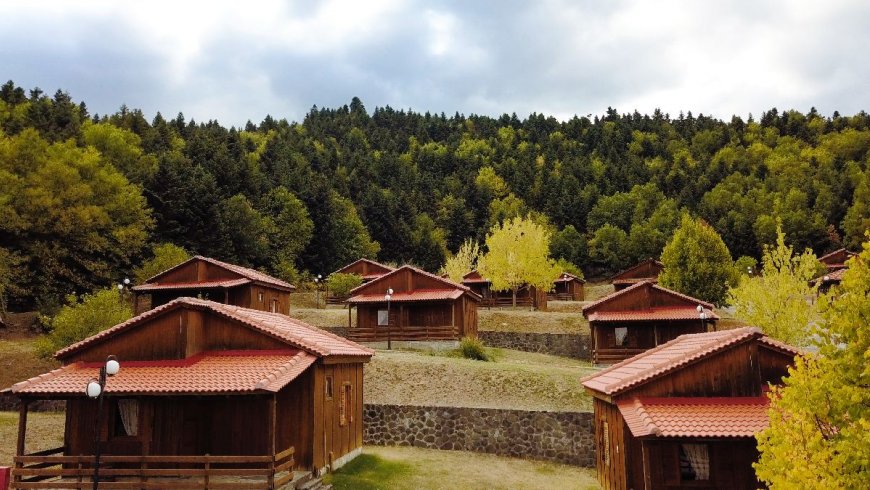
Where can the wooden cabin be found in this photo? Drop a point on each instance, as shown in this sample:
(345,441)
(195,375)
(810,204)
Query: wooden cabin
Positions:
(367,269)
(829,279)
(567,287)
(837,259)
(211,279)
(527,296)
(477,283)
(685,414)
(648,271)
(423,306)
(221,385)
(641,317)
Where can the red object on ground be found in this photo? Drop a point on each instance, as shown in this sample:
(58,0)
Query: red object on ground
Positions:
(5,472)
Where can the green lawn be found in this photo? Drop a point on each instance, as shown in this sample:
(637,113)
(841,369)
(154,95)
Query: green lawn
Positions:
(422,469)
(516,380)
(44,431)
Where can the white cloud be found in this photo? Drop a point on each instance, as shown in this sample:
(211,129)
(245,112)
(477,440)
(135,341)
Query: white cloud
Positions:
(241,60)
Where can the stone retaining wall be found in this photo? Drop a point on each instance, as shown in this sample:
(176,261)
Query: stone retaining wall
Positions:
(564,437)
(9,402)
(557,344)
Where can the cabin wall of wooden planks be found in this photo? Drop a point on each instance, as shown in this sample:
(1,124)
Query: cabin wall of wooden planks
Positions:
(640,336)
(739,371)
(332,437)
(460,314)
(254,296)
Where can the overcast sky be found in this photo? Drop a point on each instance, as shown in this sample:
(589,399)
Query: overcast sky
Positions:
(240,60)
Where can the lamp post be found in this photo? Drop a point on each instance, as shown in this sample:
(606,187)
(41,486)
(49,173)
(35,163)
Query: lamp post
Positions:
(123,287)
(96,388)
(565,280)
(317,290)
(388,297)
(703,316)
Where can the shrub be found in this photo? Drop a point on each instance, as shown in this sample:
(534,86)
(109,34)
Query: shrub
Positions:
(472,348)
(340,285)
(96,312)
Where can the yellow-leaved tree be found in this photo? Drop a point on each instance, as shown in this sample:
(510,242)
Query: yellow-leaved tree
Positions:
(463,262)
(819,434)
(518,253)
(781,300)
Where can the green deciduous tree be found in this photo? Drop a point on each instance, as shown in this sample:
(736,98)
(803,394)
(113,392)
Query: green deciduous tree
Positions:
(121,148)
(608,248)
(697,262)
(291,226)
(78,320)
(569,244)
(819,434)
(779,301)
(246,233)
(857,219)
(518,253)
(164,256)
(74,220)
(462,262)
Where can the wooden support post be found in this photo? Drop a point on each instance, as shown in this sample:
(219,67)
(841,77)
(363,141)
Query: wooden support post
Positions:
(22,427)
(205,478)
(647,476)
(349,320)
(273,429)
(22,431)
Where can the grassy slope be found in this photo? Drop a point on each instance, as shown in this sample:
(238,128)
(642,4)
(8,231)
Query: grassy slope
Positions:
(421,469)
(44,431)
(518,380)
(18,360)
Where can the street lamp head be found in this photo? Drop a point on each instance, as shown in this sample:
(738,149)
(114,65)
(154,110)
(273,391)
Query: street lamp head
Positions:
(120,287)
(126,281)
(112,365)
(700,308)
(387,297)
(826,278)
(93,389)
(703,315)
(319,276)
(390,291)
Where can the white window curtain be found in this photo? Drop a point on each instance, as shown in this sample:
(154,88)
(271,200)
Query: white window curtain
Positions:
(621,333)
(129,410)
(699,458)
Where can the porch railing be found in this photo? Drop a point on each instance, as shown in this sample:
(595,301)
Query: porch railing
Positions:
(380,334)
(47,469)
(497,302)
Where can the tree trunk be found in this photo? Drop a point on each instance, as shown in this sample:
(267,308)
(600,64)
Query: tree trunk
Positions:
(514,291)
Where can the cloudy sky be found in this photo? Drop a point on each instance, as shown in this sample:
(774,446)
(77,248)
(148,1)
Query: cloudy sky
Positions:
(240,60)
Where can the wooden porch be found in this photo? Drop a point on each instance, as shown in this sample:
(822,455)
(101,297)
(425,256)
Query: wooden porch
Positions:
(51,469)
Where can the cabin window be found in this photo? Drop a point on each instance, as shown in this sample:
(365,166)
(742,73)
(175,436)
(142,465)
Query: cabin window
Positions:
(344,410)
(125,418)
(605,442)
(328,387)
(621,334)
(383,318)
(274,306)
(694,462)
(260,297)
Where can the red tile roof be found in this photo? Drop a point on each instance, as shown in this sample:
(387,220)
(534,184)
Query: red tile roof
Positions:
(682,351)
(213,372)
(631,289)
(416,295)
(228,283)
(474,277)
(247,273)
(368,261)
(640,264)
(827,259)
(695,417)
(662,313)
(571,277)
(831,277)
(451,289)
(635,280)
(295,333)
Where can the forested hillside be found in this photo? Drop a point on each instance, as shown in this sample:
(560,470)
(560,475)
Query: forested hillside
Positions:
(83,197)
